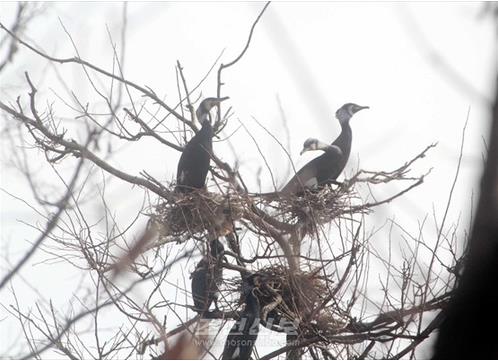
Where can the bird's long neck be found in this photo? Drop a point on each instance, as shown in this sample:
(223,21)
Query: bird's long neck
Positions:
(206,130)
(344,140)
(324,146)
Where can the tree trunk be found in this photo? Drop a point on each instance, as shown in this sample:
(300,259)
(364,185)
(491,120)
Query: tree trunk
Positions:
(468,330)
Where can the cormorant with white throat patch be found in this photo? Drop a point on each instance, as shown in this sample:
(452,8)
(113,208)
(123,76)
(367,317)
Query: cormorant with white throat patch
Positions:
(328,166)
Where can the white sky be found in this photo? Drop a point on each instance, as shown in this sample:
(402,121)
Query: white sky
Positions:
(313,56)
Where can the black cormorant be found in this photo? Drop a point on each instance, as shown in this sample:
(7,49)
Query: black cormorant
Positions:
(316,172)
(207,277)
(194,161)
(330,164)
(243,334)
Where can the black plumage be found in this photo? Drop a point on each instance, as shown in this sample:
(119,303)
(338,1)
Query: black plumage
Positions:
(243,334)
(196,156)
(318,171)
(207,277)
(328,166)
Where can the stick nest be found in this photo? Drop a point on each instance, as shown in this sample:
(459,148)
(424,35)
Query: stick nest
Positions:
(311,317)
(191,214)
(317,206)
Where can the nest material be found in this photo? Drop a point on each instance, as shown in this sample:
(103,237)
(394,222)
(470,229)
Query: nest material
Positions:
(319,206)
(194,213)
(302,300)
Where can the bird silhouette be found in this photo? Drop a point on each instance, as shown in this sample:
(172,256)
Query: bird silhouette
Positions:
(243,334)
(328,166)
(193,165)
(207,277)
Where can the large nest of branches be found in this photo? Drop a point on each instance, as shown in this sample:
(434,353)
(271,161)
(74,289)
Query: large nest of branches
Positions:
(319,206)
(185,215)
(278,301)
(313,207)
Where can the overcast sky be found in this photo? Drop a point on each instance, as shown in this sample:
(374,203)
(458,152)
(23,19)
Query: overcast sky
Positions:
(421,67)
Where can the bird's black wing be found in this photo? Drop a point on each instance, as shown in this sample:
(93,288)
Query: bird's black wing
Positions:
(316,172)
(241,339)
(193,165)
(305,178)
(231,350)
(200,286)
(330,165)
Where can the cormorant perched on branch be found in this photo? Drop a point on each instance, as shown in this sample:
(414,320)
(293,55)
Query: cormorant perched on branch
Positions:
(194,161)
(243,334)
(316,172)
(330,164)
(207,277)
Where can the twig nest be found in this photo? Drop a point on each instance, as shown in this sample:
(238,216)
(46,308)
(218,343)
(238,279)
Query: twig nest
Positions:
(194,213)
(317,206)
(302,300)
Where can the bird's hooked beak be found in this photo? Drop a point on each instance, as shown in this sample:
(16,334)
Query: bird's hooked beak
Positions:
(214,102)
(308,148)
(202,112)
(217,101)
(361,108)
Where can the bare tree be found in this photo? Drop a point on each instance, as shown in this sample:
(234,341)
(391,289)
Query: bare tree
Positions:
(25,13)
(313,249)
